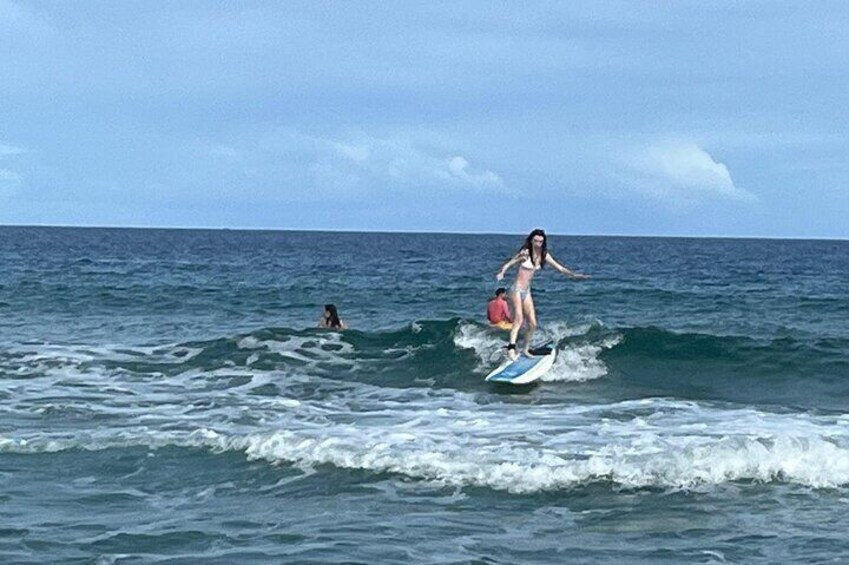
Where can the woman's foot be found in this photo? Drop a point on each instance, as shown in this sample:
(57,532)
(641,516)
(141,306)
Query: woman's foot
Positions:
(526,352)
(511,352)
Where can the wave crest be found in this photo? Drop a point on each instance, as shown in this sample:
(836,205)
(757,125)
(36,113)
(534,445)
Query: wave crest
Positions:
(652,443)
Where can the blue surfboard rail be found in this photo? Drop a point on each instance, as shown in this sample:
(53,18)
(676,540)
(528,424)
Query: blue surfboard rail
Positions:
(517,368)
(521,366)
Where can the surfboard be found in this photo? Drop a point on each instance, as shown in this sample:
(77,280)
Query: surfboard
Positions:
(525,370)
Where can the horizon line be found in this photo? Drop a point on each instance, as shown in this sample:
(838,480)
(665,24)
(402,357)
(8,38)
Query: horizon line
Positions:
(418,232)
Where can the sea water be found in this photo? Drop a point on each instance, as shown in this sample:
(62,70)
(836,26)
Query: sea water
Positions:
(165,397)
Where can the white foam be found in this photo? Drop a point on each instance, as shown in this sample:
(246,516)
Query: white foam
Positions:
(327,348)
(578,363)
(636,452)
(437,435)
(487,343)
(76,354)
(450,440)
(573,363)
(558,330)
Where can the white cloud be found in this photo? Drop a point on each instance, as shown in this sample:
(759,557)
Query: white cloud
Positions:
(9,182)
(354,164)
(224,152)
(10,150)
(411,161)
(356,153)
(680,171)
(9,179)
(20,18)
(459,167)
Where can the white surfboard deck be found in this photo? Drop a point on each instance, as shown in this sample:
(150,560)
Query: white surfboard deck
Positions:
(525,370)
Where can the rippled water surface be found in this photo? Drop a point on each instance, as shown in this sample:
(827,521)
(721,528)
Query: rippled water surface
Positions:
(166,398)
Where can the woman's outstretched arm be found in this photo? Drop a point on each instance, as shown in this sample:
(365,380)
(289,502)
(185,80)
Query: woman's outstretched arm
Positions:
(568,272)
(513,260)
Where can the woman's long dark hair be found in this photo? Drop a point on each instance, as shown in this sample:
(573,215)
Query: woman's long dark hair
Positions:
(333,321)
(529,246)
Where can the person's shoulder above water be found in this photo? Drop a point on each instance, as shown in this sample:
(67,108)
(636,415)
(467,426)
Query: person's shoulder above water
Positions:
(330,319)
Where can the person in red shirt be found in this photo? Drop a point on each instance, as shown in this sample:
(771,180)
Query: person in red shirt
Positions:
(498,311)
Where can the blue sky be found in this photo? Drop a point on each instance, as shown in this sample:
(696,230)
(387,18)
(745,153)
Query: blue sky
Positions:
(666,118)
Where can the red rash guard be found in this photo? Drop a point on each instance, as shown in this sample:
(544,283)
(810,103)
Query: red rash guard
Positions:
(497,311)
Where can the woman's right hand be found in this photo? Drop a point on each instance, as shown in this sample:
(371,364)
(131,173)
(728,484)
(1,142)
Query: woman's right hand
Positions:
(499,275)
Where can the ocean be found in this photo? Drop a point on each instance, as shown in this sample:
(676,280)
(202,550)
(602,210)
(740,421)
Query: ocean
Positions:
(167,398)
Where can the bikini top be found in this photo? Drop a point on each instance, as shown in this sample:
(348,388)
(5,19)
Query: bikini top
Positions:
(529,265)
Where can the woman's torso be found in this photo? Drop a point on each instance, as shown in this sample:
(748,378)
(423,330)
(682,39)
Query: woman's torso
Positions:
(527,269)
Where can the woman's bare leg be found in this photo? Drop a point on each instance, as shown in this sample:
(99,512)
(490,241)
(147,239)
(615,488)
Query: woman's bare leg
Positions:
(517,323)
(531,314)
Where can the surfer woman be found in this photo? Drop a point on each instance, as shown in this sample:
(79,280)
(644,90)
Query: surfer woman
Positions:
(532,257)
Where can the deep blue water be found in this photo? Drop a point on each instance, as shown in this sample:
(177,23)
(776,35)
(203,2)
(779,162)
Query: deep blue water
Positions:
(166,398)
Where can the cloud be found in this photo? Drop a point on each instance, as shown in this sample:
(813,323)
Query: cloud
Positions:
(9,182)
(18,18)
(297,165)
(9,179)
(459,167)
(356,153)
(679,171)
(10,150)
(411,160)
